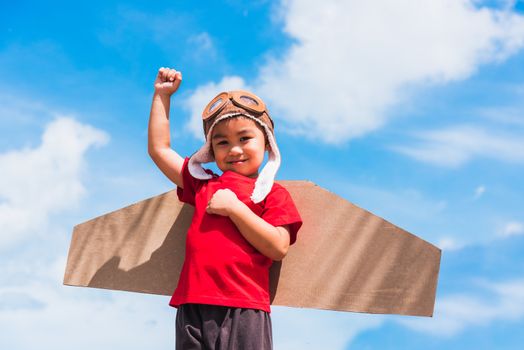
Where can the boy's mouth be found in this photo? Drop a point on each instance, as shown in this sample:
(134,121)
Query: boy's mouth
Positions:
(240,161)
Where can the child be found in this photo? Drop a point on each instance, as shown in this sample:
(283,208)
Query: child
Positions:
(242,220)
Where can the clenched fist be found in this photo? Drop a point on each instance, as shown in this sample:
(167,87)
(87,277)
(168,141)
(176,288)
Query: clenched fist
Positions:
(167,81)
(222,203)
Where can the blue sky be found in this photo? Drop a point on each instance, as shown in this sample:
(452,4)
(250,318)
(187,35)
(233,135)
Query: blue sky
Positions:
(411,109)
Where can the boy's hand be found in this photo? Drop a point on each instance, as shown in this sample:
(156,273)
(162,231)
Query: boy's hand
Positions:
(167,81)
(222,202)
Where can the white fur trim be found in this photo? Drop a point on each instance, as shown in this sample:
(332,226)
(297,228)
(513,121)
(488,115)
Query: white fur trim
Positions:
(265,179)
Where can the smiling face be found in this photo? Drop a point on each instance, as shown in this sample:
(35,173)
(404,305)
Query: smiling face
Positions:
(238,145)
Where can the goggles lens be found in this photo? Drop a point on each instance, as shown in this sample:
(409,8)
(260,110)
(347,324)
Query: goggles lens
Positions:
(247,100)
(215,105)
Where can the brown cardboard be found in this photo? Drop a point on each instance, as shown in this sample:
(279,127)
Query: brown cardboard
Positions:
(345,258)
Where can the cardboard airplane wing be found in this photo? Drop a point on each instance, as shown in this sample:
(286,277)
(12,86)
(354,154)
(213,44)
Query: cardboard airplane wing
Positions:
(345,258)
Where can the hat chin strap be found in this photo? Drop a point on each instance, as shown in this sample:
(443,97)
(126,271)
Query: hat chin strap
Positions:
(265,179)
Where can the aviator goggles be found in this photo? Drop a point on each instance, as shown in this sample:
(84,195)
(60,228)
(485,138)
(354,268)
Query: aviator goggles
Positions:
(227,101)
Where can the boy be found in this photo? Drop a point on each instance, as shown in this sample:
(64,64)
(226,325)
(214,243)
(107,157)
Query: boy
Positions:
(242,220)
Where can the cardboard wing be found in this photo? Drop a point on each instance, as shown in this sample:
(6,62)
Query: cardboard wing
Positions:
(345,258)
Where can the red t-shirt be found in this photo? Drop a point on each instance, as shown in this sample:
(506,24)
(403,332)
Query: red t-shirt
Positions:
(221,267)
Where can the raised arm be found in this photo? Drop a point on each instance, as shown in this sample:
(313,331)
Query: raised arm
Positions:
(159,143)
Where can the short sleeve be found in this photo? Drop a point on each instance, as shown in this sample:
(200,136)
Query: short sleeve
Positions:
(187,194)
(280,210)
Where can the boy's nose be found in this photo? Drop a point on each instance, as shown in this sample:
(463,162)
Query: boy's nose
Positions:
(235,150)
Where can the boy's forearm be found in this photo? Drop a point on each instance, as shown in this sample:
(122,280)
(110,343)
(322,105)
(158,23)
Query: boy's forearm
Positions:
(158,131)
(159,144)
(271,241)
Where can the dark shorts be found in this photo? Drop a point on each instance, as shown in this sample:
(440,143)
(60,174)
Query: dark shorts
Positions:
(211,327)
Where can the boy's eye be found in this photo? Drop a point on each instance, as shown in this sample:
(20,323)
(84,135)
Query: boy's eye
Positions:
(220,143)
(245,138)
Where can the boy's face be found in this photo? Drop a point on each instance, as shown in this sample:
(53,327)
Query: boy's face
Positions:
(238,145)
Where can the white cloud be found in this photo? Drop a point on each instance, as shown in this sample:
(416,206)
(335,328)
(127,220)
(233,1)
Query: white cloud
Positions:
(512,228)
(449,243)
(479,191)
(454,313)
(297,329)
(352,59)
(36,182)
(510,115)
(203,46)
(20,111)
(59,317)
(455,146)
